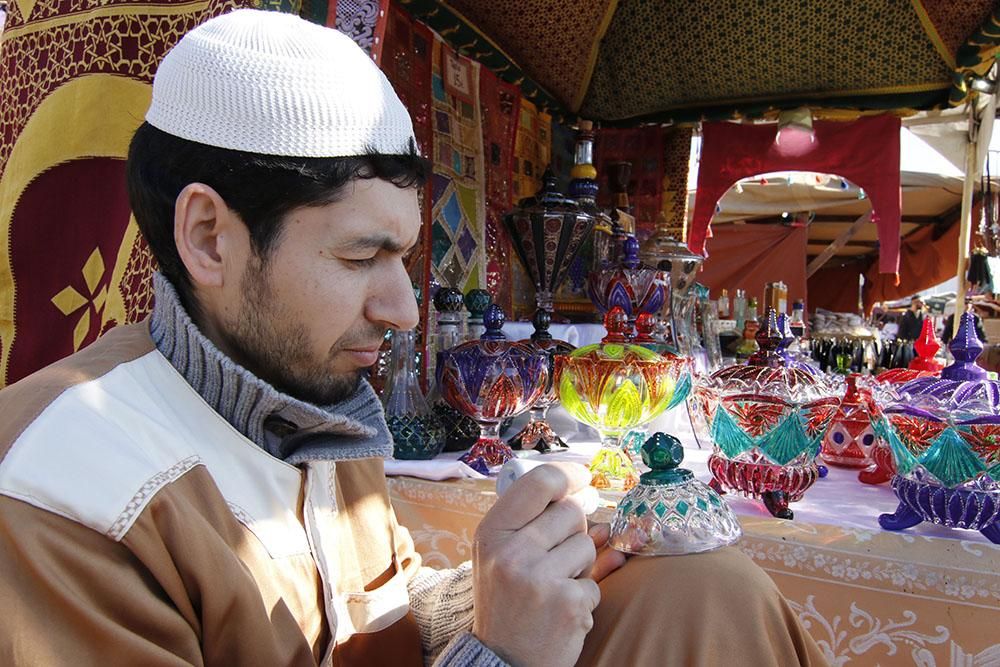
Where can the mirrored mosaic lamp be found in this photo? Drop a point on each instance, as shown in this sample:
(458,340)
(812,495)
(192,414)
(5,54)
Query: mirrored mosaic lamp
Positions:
(670,513)
(766,422)
(614,387)
(538,434)
(490,380)
(945,438)
(631,285)
(416,431)
(547,232)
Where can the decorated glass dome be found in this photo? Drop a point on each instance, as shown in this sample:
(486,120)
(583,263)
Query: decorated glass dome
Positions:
(944,434)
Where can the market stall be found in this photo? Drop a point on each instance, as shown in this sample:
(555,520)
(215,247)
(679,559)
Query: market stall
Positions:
(566,271)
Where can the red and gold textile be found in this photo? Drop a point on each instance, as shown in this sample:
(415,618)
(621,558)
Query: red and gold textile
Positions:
(74,84)
(500,103)
(644,148)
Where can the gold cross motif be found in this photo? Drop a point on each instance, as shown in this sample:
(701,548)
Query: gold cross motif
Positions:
(69,300)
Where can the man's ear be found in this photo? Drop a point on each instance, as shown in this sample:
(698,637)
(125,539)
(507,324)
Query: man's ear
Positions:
(204,233)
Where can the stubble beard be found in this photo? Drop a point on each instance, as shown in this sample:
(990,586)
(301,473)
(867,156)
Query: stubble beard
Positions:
(277,348)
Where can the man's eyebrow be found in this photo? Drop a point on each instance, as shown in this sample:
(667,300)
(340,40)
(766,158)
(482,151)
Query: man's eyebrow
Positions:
(377,242)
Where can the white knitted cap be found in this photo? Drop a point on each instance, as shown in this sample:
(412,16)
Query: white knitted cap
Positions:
(272,83)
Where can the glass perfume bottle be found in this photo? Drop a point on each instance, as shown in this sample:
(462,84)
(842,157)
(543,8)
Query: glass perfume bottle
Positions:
(740,308)
(724,305)
(416,431)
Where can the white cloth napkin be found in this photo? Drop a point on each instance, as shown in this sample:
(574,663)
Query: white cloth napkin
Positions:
(435,469)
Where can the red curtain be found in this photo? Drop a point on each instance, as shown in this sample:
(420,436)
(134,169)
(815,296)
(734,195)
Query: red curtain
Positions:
(865,151)
(924,261)
(748,256)
(836,287)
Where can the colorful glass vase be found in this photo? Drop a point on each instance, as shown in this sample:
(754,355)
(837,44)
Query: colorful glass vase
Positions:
(922,365)
(945,438)
(766,423)
(538,434)
(851,437)
(490,380)
(547,232)
(614,387)
(416,431)
(461,432)
(670,513)
(631,286)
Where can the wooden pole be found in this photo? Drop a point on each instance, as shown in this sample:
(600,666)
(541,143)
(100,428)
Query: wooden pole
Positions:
(965,221)
(837,244)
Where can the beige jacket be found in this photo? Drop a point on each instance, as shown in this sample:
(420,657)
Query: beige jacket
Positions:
(138,527)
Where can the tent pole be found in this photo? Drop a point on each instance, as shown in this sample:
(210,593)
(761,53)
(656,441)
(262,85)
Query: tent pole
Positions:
(965,222)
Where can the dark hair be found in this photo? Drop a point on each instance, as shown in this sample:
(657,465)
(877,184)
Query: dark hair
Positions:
(260,189)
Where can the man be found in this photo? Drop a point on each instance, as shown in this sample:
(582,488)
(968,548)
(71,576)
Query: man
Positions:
(912,321)
(949,324)
(207,487)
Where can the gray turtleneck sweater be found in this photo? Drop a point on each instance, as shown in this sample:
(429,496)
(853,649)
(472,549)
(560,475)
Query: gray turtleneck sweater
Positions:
(298,432)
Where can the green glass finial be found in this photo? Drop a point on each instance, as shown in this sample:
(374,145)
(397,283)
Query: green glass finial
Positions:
(663,453)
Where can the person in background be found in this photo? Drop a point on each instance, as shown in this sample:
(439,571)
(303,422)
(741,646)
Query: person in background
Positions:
(207,487)
(948,333)
(912,320)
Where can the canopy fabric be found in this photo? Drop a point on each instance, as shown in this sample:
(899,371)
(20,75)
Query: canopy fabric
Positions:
(763,252)
(865,151)
(631,62)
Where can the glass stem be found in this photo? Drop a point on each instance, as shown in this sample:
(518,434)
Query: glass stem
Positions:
(489,430)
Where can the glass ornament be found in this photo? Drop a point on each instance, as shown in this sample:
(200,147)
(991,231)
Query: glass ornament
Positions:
(538,434)
(490,380)
(615,387)
(851,437)
(631,286)
(766,423)
(547,232)
(670,513)
(944,434)
(461,432)
(922,365)
(416,431)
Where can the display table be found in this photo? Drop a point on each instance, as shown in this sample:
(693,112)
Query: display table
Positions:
(926,596)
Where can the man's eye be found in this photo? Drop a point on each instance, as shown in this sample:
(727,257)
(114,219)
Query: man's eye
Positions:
(363,263)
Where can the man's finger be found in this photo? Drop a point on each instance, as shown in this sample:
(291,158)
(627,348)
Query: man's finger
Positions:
(571,559)
(608,560)
(561,520)
(600,533)
(530,495)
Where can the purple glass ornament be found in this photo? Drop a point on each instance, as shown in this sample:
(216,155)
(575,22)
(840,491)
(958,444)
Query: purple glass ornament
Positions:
(491,379)
(631,286)
(944,434)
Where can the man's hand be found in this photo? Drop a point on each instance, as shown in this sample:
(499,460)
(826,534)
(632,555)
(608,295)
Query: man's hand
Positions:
(532,557)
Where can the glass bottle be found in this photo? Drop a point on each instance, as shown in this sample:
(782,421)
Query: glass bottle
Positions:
(798,321)
(740,308)
(460,431)
(752,308)
(476,301)
(724,305)
(416,431)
